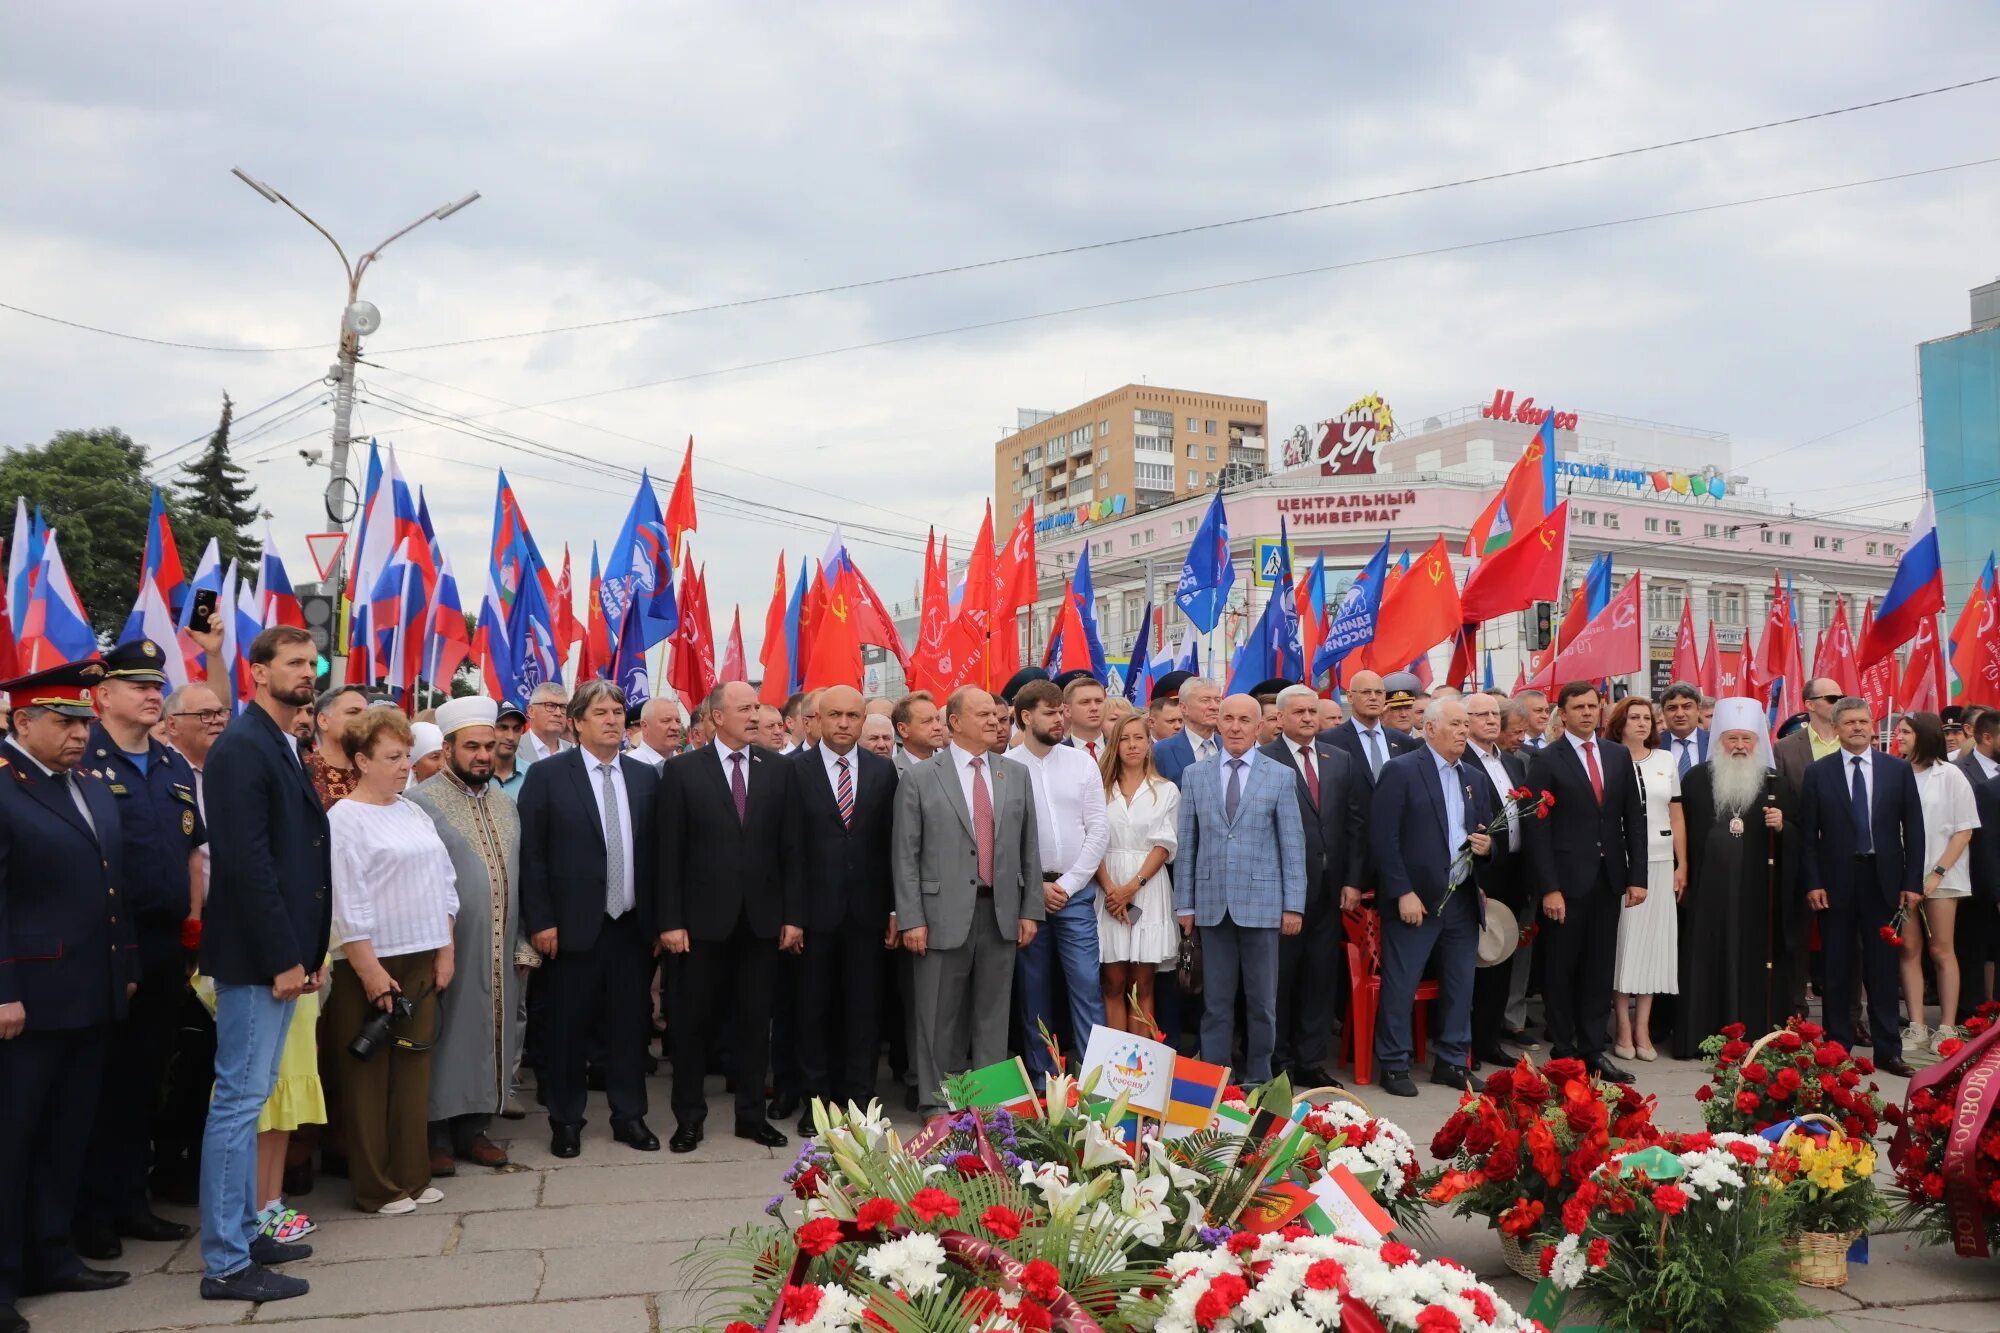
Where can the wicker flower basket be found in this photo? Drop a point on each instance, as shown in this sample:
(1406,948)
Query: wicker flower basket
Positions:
(1819,1258)
(1527,1262)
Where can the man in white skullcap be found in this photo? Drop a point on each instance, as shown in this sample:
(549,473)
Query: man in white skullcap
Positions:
(426,751)
(479,1033)
(1742,926)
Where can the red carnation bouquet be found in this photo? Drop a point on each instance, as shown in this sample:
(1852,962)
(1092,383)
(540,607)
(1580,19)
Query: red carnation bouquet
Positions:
(1796,1070)
(1946,1153)
(1516,1153)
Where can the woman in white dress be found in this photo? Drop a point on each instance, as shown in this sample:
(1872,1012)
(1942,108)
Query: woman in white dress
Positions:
(1135,912)
(1649,935)
(1951,813)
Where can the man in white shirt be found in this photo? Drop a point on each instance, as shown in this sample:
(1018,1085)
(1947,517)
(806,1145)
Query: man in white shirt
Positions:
(548,721)
(1499,876)
(1072,831)
(659,722)
(1083,713)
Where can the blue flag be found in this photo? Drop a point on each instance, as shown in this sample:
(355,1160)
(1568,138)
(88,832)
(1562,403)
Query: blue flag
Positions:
(1597,585)
(1086,606)
(1353,624)
(628,669)
(1207,576)
(1139,666)
(1273,647)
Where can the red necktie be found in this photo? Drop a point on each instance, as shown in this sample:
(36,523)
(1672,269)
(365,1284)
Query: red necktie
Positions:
(982,820)
(1596,773)
(1092,747)
(1312,774)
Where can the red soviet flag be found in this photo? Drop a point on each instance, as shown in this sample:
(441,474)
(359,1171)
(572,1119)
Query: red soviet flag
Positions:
(1614,644)
(836,651)
(933,619)
(1687,657)
(772,655)
(1419,611)
(1526,570)
(680,505)
(691,668)
(732,652)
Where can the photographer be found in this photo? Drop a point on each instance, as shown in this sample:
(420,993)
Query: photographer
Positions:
(394,900)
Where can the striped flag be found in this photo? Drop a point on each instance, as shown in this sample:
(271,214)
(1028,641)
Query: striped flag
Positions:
(1194,1096)
(1004,1085)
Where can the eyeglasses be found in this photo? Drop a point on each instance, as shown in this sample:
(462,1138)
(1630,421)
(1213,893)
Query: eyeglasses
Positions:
(1822,698)
(207,715)
(546,703)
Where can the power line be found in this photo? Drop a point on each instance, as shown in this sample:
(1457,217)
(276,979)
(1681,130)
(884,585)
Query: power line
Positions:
(156,463)
(1200,227)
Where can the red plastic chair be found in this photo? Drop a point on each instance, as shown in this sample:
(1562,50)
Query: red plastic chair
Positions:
(1364,996)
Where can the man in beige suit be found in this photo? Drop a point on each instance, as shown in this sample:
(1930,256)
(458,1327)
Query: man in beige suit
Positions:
(968,892)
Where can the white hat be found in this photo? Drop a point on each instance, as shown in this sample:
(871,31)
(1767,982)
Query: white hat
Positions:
(1741,714)
(474,710)
(428,740)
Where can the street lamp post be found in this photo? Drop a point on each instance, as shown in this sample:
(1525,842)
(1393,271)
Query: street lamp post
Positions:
(358,318)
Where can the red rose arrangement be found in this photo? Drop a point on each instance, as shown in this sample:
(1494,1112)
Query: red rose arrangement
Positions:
(1798,1070)
(1517,1153)
(1931,1182)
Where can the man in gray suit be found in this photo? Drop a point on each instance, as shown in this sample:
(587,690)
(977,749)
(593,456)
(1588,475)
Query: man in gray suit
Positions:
(1240,874)
(968,891)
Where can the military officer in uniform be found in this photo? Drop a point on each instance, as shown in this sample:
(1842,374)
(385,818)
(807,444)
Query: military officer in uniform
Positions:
(68,966)
(153,786)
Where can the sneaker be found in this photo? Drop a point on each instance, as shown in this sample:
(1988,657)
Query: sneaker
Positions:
(431,1195)
(396,1208)
(1941,1034)
(254,1283)
(1916,1034)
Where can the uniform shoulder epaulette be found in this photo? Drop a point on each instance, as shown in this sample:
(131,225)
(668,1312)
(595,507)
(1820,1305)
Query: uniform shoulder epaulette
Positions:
(3,762)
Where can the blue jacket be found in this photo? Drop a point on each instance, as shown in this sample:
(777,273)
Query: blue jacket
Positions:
(162,828)
(1175,754)
(1408,827)
(1253,868)
(67,947)
(270,870)
(1826,825)
(1347,739)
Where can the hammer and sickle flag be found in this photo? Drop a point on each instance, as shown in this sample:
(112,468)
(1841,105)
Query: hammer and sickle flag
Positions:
(1520,573)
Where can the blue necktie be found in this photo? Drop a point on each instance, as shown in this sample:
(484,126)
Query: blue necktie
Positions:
(1687,754)
(1234,795)
(1371,741)
(1864,834)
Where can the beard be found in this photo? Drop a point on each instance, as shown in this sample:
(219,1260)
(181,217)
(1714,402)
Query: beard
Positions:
(1739,783)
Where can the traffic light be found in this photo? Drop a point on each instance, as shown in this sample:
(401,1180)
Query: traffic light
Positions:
(322,622)
(1543,631)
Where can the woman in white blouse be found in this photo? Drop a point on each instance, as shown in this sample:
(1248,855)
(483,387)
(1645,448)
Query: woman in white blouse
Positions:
(1950,816)
(1135,912)
(394,898)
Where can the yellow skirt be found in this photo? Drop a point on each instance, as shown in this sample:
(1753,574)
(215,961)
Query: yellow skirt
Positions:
(297,1098)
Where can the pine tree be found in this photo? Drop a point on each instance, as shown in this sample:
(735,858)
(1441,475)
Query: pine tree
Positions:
(217,498)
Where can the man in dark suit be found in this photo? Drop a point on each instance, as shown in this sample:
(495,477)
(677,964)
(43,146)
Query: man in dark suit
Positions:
(847,813)
(587,848)
(1312,965)
(732,896)
(1427,808)
(1499,875)
(1588,861)
(1365,737)
(68,967)
(264,932)
(1861,824)
(1982,909)
(1201,705)
(1686,739)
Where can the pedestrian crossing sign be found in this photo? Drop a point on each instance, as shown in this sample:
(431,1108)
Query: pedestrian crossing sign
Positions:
(1270,562)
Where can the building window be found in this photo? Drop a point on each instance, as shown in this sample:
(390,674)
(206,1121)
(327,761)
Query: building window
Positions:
(1725,606)
(1164,420)
(1149,536)
(1211,479)
(1731,531)
(1872,547)
(1179,527)
(1134,539)
(1586,518)
(1891,550)
(1192,427)
(1819,543)
(1211,453)
(1611,519)
(1193,451)
(1652,525)
(1663,601)
(1208,428)
(1709,530)
(1784,539)
(1673,527)
(1157,476)
(1194,478)
(1840,543)
(1103,429)
(1768,536)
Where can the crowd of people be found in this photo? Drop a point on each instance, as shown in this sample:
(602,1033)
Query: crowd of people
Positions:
(391,919)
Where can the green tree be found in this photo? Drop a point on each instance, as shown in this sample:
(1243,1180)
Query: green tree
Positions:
(216,500)
(92,488)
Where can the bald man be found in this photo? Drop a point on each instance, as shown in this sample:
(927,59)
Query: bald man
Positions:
(1366,735)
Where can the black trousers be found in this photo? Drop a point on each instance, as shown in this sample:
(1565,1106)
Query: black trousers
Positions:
(595,999)
(789,1077)
(1849,930)
(1312,974)
(838,1027)
(1974,939)
(120,1158)
(728,979)
(49,1084)
(1578,954)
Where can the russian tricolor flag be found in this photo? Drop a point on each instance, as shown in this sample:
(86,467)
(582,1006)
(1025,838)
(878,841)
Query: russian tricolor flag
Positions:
(1917,592)
(55,629)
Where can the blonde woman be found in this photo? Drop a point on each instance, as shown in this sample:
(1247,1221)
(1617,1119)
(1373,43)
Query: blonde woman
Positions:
(1135,912)
(395,897)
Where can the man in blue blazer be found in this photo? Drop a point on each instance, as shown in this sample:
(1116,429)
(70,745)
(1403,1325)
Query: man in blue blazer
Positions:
(1196,740)
(68,966)
(587,886)
(1240,874)
(1365,737)
(1862,826)
(1685,737)
(1428,808)
(263,939)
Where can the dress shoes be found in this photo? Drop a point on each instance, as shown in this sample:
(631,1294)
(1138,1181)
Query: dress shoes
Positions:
(635,1134)
(12,1320)
(443,1163)
(565,1140)
(783,1106)
(482,1151)
(1900,1068)
(1312,1076)
(764,1132)
(1492,1055)
(807,1129)
(97,1240)
(83,1279)
(686,1138)
(1396,1082)
(255,1283)
(148,1226)
(271,1252)
(1608,1072)
(1520,1037)
(1451,1076)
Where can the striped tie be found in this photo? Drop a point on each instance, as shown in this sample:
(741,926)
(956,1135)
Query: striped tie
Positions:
(843,792)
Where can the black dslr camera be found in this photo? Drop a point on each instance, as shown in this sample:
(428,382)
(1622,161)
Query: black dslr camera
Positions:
(375,1031)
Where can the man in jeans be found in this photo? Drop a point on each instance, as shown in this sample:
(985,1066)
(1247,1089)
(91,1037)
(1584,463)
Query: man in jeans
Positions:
(264,937)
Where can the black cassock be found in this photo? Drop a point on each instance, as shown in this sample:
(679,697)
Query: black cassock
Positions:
(1739,924)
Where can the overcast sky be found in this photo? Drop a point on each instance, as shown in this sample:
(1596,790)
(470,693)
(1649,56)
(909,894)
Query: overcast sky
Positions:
(645,157)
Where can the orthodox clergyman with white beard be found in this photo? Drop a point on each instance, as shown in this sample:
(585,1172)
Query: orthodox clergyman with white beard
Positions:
(1739,913)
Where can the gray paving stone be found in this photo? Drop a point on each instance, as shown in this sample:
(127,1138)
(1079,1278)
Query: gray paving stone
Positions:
(616,1270)
(673,1179)
(149,1301)
(345,1239)
(604,1224)
(389,1286)
(586,1316)
(1900,1273)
